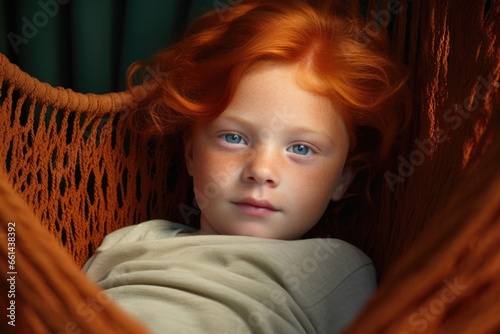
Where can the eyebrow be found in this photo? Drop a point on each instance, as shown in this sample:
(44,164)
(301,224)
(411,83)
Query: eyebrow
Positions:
(307,131)
(296,129)
(236,119)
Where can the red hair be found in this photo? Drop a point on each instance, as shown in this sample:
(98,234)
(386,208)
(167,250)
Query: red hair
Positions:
(338,57)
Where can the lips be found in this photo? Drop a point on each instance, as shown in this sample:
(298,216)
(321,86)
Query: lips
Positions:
(255,207)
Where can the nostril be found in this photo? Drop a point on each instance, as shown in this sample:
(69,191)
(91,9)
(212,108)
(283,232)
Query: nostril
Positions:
(261,170)
(270,181)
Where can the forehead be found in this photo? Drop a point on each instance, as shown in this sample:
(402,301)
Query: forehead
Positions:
(270,92)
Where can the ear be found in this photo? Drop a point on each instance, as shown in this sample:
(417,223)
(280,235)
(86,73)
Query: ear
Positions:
(188,153)
(343,183)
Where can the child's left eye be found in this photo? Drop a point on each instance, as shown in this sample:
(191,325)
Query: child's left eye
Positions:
(300,149)
(232,138)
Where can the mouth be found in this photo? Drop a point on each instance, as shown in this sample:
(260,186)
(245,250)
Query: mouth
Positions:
(254,207)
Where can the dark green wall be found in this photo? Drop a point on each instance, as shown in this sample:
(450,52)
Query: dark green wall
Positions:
(87,45)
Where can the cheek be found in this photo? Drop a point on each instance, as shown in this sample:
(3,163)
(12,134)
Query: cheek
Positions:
(200,162)
(316,187)
(307,202)
(316,196)
(327,172)
(213,168)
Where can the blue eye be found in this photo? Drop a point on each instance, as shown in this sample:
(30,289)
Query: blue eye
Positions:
(232,138)
(301,149)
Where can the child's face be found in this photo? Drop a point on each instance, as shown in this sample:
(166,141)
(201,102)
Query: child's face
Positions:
(271,162)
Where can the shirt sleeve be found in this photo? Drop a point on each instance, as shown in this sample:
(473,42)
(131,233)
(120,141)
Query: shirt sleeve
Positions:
(148,230)
(339,308)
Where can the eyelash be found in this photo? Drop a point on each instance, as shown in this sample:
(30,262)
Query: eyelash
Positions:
(309,150)
(225,137)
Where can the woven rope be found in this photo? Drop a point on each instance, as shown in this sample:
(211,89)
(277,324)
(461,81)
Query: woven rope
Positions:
(76,164)
(80,173)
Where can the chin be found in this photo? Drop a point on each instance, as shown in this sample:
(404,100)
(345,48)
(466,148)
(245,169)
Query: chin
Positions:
(254,231)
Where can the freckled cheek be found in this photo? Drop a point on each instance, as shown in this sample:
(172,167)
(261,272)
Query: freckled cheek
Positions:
(322,181)
(217,167)
(315,187)
(306,200)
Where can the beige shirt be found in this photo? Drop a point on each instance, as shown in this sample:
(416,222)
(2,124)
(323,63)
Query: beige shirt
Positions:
(231,284)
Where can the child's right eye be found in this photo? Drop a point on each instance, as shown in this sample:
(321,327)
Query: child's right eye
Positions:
(232,138)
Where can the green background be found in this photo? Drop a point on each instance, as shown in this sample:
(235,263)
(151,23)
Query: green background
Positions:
(87,45)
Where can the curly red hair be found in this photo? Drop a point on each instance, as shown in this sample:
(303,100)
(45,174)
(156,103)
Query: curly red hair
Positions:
(338,57)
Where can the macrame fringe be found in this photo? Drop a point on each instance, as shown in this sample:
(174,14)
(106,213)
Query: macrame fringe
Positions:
(82,171)
(74,171)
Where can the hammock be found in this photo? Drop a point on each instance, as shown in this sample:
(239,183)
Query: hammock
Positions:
(72,172)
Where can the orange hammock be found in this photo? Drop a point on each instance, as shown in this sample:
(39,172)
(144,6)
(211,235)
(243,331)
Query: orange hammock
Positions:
(72,172)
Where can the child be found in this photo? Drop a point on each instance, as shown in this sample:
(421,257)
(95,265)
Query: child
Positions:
(273,100)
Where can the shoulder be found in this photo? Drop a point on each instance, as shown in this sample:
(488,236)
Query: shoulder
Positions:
(337,253)
(133,237)
(341,279)
(326,265)
(345,261)
(148,230)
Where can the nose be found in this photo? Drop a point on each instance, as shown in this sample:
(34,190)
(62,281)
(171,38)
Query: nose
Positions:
(262,168)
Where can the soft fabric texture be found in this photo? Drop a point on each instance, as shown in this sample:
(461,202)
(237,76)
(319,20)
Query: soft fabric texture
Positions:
(231,284)
(85,174)
(71,172)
